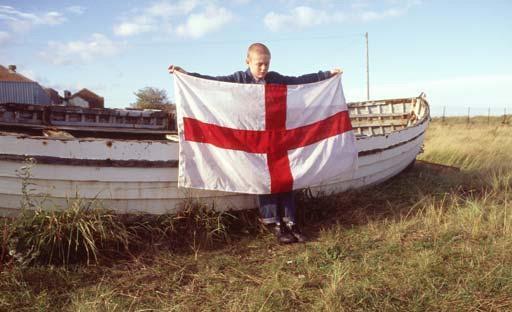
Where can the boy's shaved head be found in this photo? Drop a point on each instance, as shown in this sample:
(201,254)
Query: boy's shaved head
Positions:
(258,60)
(259,48)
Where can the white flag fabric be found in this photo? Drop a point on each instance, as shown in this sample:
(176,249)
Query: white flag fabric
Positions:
(261,139)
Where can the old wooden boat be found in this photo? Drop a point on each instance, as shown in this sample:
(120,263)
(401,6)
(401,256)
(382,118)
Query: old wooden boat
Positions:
(129,159)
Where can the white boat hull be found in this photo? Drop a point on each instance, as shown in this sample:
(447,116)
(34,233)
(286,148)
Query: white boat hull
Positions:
(141,176)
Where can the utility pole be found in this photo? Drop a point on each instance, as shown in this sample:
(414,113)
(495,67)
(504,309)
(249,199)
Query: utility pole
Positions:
(367,69)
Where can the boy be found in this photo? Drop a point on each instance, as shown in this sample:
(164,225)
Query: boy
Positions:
(271,205)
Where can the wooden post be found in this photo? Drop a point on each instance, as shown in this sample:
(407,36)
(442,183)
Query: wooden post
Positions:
(367,69)
(489,115)
(469,110)
(444,114)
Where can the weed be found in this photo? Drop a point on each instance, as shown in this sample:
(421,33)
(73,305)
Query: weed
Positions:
(25,173)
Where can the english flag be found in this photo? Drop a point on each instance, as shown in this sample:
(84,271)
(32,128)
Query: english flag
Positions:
(262,138)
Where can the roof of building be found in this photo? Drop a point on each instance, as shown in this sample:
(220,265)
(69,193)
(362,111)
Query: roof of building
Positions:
(8,75)
(94,100)
(87,95)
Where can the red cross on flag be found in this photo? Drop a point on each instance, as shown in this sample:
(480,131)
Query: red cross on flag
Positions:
(262,138)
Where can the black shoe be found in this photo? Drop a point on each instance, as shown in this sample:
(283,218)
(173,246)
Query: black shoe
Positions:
(297,233)
(283,235)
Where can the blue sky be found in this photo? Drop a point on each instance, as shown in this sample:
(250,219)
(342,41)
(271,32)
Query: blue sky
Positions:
(458,52)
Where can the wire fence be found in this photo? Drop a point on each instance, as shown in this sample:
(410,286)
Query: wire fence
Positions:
(468,113)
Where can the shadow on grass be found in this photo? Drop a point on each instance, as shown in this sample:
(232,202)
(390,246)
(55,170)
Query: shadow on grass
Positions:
(393,199)
(200,228)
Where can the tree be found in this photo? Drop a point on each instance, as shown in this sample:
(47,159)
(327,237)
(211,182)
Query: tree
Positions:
(153,98)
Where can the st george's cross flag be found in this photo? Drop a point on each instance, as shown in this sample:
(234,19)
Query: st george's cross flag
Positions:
(262,138)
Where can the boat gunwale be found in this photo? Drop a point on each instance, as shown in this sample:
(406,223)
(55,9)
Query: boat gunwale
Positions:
(423,118)
(52,160)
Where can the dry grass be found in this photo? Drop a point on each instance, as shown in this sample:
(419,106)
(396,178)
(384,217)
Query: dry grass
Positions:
(476,146)
(426,240)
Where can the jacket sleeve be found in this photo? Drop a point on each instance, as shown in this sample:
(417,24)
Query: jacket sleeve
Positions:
(308,78)
(229,78)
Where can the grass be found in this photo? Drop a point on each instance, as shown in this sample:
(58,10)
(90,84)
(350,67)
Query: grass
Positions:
(477,146)
(426,240)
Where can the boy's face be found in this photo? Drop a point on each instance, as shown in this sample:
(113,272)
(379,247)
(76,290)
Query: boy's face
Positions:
(258,64)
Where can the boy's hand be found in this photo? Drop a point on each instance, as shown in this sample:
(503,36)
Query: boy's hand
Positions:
(336,71)
(173,68)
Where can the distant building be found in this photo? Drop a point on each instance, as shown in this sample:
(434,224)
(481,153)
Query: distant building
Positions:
(54,96)
(85,98)
(16,88)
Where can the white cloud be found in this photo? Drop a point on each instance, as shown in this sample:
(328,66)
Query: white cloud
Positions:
(20,26)
(162,16)
(359,4)
(363,11)
(166,9)
(136,26)
(4,37)
(97,45)
(301,17)
(13,17)
(131,28)
(367,16)
(50,18)
(76,9)
(241,2)
(155,17)
(22,22)
(199,24)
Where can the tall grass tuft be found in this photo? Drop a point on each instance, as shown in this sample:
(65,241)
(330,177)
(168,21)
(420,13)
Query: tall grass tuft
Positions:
(83,231)
(60,235)
(75,234)
(200,226)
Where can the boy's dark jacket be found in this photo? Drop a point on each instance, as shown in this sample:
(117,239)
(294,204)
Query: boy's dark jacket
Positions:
(271,77)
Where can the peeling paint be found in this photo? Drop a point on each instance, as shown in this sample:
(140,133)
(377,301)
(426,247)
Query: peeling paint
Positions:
(108,162)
